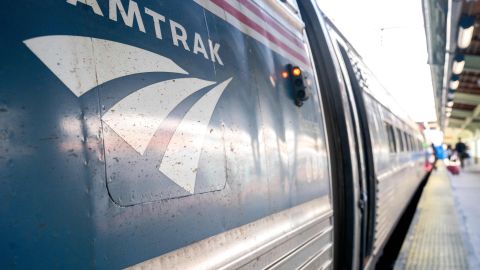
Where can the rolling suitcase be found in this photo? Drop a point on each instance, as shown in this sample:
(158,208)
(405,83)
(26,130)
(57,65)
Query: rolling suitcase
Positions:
(453,169)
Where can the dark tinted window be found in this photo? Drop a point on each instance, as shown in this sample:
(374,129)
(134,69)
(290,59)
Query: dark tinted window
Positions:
(392,145)
(407,142)
(401,145)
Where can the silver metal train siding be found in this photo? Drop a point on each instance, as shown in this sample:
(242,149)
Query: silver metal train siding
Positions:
(163,135)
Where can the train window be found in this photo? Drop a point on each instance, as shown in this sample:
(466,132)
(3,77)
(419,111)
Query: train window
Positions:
(407,142)
(412,143)
(392,145)
(401,146)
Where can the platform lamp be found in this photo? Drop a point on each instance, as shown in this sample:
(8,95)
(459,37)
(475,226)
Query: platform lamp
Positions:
(458,64)
(454,82)
(450,96)
(448,109)
(465,31)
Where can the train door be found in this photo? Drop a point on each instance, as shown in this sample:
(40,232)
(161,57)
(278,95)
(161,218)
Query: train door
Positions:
(364,154)
(346,144)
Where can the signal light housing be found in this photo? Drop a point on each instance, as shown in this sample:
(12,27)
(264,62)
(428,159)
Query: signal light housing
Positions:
(297,80)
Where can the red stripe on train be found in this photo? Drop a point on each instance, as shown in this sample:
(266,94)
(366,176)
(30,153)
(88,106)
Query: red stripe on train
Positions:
(269,20)
(244,19)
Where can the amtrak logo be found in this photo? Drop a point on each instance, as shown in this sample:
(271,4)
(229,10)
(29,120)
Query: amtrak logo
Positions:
(83,63)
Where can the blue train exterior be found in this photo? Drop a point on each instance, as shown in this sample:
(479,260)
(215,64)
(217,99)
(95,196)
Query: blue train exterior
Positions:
(164,135)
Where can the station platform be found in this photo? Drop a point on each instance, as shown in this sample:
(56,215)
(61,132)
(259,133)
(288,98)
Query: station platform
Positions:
(445,231)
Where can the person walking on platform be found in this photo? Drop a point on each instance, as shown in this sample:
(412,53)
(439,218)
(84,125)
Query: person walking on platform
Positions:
(461,150)
(435,156)
(449,151)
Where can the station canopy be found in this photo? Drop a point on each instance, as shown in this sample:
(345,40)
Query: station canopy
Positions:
(453,39)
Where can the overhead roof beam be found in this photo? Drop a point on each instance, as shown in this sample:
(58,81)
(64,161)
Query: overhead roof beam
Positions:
(453,16)
(461,113)
(467,98)
(455,122)
(472,63)
(474,126)
(469,119)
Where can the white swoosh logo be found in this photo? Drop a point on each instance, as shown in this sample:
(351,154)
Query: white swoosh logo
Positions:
(136,117)
(191,133)
(83,63)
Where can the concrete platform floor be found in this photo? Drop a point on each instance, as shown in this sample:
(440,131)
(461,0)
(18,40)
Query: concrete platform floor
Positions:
(466,193)
(445,232)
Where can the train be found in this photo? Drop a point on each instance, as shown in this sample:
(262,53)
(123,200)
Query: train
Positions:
(204,134)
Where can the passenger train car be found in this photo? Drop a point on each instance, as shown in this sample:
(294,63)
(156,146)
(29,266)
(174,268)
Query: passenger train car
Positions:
(203,134)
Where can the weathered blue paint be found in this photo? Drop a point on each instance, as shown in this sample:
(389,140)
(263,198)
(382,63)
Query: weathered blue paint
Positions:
(75,195)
